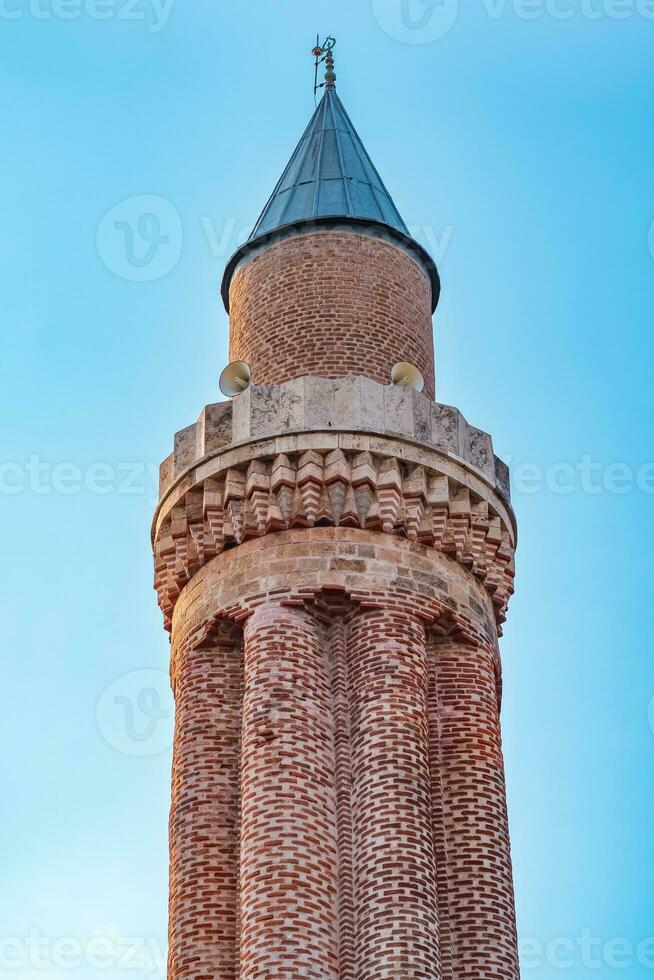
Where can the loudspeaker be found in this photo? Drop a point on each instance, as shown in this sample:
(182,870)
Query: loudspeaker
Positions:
(235,378)
(407,375)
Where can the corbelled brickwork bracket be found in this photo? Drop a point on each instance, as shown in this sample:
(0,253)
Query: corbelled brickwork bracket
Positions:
(425,474)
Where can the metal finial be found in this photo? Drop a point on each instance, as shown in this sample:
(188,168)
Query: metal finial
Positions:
(330,77)
(323,53)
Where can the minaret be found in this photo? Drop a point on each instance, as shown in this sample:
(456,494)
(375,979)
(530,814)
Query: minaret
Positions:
(334,558)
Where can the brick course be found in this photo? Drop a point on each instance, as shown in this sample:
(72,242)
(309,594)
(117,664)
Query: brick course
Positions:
(288,889)
(395,872)
(479,892)
(204,819)
(329,304)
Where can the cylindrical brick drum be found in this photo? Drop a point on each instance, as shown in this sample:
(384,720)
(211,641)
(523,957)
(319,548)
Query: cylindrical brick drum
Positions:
(288,831)
(330,304)
(395,875)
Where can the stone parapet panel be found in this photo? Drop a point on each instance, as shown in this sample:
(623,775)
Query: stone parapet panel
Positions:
(352,404)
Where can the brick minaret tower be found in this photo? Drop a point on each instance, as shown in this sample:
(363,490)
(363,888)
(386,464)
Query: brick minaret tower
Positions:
(334,557)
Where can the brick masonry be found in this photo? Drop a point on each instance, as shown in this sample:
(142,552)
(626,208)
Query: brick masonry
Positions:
(204,826)
(334,559)
(395,862)
(267,486)
(329,304)
(373,833)
(289,862)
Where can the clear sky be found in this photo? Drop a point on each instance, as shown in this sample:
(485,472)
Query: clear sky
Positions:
(516,137)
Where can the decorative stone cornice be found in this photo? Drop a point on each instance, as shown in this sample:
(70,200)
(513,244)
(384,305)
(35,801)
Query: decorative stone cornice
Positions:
(347,479)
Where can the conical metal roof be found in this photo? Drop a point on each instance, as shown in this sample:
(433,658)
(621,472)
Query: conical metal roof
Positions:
(330,182)
(329,175)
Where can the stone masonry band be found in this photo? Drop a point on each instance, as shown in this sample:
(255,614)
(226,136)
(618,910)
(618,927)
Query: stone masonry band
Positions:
(257,491)
(351,404)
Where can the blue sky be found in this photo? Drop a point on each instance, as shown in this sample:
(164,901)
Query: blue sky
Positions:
(516,138)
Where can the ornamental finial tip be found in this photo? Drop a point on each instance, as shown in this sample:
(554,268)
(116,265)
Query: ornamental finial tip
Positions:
(324,53)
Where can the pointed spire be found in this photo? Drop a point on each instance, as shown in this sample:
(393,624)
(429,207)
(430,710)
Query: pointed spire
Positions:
(331,180)
(329,175)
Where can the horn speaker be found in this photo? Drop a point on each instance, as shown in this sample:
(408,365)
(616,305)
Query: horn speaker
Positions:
(407,376)
(235,378)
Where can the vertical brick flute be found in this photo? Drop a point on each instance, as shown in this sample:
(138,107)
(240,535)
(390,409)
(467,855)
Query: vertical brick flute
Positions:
(334,556)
